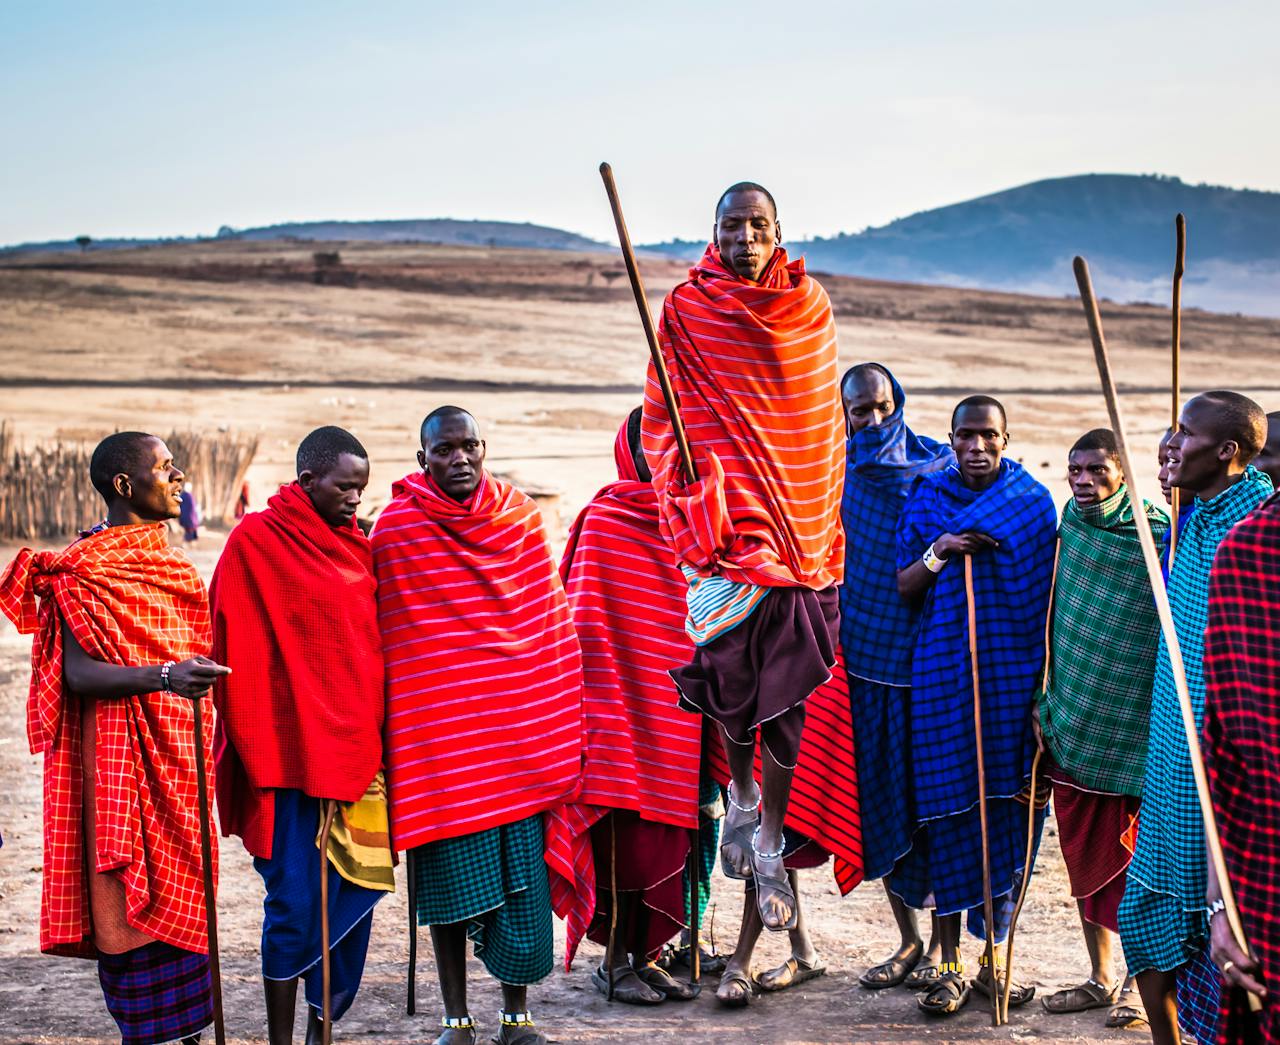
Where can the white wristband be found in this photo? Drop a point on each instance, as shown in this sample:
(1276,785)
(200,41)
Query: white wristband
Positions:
(931,561)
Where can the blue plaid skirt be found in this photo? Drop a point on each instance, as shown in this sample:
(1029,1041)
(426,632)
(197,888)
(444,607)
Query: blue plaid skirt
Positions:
(157,993)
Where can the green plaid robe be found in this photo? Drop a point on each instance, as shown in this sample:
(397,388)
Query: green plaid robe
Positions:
(1097,698)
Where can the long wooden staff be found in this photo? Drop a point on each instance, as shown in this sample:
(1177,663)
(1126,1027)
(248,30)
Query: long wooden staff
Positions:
(1031,802)
(1179,267)
(646,318)
(326,1010)
(410,1006)
(988,907)
(210,896)
(1152,560)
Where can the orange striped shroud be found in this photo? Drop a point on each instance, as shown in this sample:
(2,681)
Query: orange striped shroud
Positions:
(484,676)
(754,370)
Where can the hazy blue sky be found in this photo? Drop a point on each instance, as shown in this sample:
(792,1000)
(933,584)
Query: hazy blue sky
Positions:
(161,119)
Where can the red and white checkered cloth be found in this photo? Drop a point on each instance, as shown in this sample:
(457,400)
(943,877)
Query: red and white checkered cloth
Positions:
(131,600)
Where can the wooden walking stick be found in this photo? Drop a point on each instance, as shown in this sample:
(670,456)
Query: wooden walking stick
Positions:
(646,318)
(695,909)
(410,1006)
(988,908)
(326,1027)
(1164,610)
(206,857)
(1179,267)
(1031,801)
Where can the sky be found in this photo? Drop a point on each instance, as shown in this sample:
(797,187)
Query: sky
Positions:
(161,119)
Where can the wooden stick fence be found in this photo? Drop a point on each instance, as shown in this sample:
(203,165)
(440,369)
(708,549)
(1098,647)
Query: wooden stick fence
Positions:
(45,490)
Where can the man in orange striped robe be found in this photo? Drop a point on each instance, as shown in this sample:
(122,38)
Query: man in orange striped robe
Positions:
(749,343)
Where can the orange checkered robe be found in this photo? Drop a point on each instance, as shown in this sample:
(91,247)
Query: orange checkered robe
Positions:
(130,600)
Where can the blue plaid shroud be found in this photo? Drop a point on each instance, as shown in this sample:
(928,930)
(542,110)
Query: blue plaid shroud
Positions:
(944,867)
(877,629)
(1162,919)
(876,626)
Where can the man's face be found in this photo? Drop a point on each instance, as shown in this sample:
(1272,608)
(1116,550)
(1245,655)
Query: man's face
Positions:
(979,440)
(154,490)
(747,233)
(1269,460)
(1094,475)
(1198,456)
(1162,455)
(453,455)
(868,400)
(336,494)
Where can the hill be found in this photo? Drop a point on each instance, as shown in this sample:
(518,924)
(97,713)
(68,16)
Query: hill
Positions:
(442,231)
(1023,240)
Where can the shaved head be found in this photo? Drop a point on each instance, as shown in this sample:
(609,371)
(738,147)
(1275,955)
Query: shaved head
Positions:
(742,187)
(437,417)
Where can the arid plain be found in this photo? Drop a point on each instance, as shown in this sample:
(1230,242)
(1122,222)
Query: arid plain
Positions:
(545,348)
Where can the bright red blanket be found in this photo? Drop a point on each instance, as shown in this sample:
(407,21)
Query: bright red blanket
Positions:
(641,752)
(824,791)
(754,370)
(294,616)
(131,600)
(484,677)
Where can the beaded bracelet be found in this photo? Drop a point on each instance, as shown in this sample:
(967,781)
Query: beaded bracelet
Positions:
(164,675)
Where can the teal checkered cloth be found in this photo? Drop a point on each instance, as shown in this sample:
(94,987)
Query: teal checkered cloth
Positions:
(1096,703)
(1162,919)
(496,882)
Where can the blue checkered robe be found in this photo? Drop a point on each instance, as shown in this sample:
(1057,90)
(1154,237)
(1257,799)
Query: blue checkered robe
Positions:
(944,866)
(1162,918)
(877,629)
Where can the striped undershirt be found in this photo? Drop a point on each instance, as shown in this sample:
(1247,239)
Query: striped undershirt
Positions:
(717,605)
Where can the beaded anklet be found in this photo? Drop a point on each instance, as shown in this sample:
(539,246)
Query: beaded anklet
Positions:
(516,1019)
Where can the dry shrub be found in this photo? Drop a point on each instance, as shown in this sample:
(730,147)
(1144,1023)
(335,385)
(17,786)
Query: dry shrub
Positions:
(45,490)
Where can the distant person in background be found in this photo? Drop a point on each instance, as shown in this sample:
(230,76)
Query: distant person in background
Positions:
(242,502)
(300,723)
(1093,716)
(876,632)
(122,628)
(1163,923)
(1269,460)
(189,515)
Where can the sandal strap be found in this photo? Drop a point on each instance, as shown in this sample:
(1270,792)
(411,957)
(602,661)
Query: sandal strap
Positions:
(458,1022)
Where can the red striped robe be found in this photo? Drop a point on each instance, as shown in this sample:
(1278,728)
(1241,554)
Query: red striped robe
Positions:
(753,366)
(642,752)
(484,676)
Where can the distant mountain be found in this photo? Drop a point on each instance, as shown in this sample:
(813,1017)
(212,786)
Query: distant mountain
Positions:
(449,231)
(1023,239)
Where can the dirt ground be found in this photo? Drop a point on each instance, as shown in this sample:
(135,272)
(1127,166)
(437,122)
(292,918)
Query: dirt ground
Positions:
(546,350)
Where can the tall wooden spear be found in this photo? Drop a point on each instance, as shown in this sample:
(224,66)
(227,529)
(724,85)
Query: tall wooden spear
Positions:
(210,895)
(686,458)
(1152,559)
(1179,267)
(988,907)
